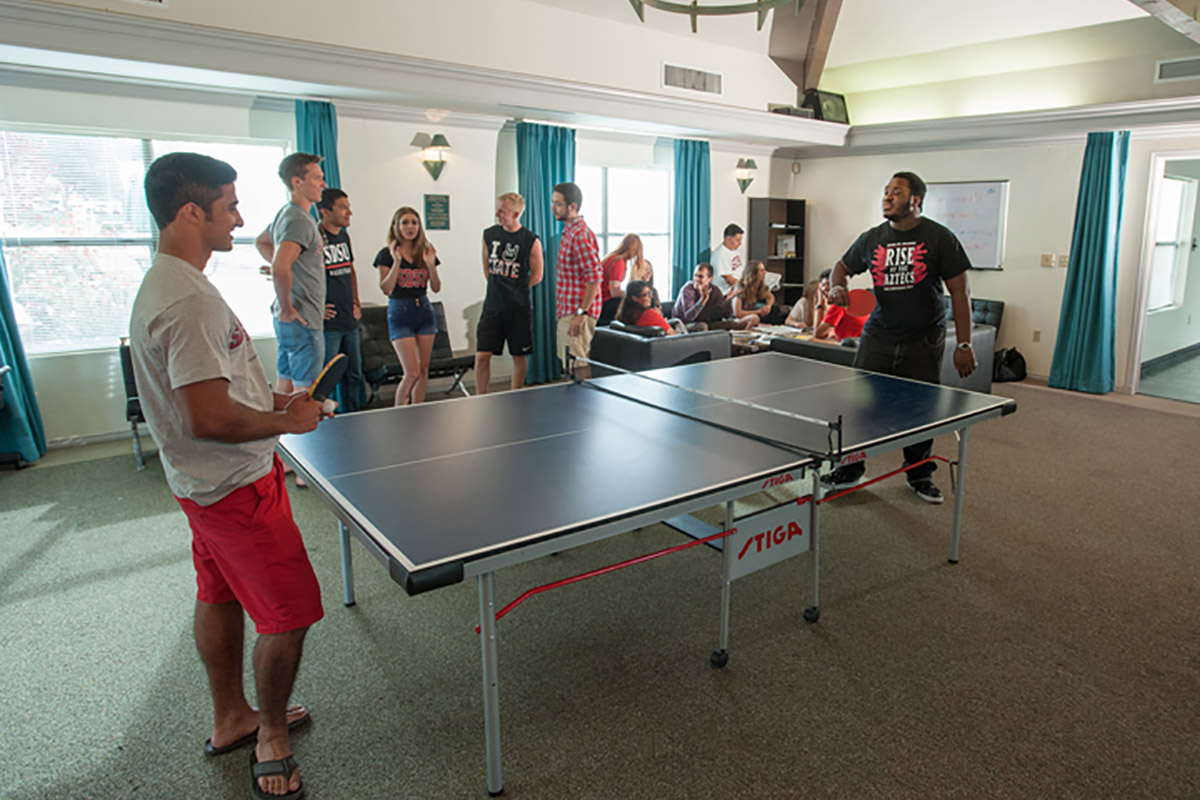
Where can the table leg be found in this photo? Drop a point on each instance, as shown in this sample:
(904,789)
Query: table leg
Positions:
(347,571)
(491,682)
(959,494)
(813,612)
(720,656)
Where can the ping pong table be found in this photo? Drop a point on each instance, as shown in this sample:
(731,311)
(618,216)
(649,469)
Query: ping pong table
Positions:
(447,491)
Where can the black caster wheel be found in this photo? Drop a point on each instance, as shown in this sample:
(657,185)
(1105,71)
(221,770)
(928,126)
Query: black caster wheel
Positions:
(350,605)
(812,614)
(719,658)
(495,794)
(951,560)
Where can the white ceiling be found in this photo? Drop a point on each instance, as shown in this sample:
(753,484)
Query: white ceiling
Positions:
(870,30)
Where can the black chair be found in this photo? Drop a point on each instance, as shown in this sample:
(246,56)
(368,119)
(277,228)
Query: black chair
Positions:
(381,365)
(133,405)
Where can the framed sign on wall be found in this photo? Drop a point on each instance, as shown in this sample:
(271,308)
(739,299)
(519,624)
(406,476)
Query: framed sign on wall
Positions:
(437,212)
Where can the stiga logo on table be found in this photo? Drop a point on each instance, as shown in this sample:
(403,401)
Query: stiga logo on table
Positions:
(861,455)
(768,537)
(765,540)
(778,480)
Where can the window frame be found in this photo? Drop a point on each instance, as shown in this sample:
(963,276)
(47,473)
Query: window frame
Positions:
(150,240)
(608,240)
(1183,245)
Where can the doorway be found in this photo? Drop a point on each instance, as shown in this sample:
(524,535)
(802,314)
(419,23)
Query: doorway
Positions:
(1169,365)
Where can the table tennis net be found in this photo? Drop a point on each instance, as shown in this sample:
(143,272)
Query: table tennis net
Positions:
(785,429)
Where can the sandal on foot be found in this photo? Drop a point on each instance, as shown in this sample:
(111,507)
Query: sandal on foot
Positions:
(265,769)
(252,736)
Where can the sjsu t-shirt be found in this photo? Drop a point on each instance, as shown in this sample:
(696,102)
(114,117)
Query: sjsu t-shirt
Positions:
(411,280)
(339,277)
(907,268)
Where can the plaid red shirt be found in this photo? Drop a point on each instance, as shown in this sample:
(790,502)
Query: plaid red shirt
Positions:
(578,265)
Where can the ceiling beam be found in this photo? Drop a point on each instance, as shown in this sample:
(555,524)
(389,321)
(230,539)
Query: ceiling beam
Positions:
(800,40)
(1182,15)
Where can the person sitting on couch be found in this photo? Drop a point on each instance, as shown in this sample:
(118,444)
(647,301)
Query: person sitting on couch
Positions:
(833,322)
(753,301)
(803,314)
(638,308)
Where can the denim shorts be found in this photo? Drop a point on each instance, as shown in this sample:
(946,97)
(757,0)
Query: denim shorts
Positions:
(301,353)
(410,316)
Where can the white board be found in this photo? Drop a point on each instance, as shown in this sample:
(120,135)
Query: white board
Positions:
(976,212)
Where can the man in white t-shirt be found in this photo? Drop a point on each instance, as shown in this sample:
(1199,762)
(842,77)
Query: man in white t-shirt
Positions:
(215,421)
(727,258)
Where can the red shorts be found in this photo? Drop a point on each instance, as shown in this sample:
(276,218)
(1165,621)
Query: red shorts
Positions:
(247,548)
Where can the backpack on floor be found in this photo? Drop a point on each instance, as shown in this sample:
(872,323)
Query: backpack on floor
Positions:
(1009,365)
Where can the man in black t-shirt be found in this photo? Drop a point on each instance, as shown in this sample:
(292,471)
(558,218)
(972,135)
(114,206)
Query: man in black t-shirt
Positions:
(342,311)
(909,258)
(512,263)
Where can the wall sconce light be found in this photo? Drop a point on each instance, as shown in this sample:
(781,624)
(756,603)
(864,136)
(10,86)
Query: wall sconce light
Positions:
(433,151)
(745,173)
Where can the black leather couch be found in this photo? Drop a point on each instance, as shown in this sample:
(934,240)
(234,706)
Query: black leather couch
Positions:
(640,348)
(986,316)
(381,365)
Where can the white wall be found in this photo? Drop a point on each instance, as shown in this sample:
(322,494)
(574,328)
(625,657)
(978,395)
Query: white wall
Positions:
(515,36)
(844,194)
(1108,63)
(381,173)
(844,197)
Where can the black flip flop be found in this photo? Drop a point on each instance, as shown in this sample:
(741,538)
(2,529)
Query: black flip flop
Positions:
(265,769)
(249,738)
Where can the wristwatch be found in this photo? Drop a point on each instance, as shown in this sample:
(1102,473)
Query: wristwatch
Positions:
(964,346)
(581,312)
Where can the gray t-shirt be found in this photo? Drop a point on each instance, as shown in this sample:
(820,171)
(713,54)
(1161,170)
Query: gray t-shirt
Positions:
(182,332)
(294,224)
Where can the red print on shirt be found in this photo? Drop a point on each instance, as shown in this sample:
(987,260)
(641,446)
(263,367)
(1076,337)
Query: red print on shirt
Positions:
(238,335)
(899,265)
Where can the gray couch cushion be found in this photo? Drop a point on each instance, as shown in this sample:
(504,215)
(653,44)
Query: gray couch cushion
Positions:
(983,340)
(635,353)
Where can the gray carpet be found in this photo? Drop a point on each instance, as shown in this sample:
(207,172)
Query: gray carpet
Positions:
(1060,658)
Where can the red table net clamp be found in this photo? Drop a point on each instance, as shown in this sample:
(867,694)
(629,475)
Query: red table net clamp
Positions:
(605,570)
(883,477)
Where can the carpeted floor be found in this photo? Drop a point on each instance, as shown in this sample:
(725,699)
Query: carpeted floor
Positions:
(1059,659)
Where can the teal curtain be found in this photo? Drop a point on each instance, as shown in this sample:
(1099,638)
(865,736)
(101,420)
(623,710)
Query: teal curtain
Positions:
(316,133)
(21,430)
(693,209)
(545,157)
(1084,359)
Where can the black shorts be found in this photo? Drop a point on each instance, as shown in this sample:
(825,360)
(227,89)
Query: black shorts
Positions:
(514,325)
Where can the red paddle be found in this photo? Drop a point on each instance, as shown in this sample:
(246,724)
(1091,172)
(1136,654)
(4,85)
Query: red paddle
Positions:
(862,303)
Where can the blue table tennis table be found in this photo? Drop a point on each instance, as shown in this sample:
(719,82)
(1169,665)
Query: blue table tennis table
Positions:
(446,491)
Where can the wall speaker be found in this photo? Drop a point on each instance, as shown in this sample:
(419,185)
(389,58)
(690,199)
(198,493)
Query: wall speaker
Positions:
(827,106)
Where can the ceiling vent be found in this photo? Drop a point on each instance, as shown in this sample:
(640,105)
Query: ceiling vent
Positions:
(1179,69)
(692,80)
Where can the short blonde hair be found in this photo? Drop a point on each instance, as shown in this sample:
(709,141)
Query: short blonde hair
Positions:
(513,201)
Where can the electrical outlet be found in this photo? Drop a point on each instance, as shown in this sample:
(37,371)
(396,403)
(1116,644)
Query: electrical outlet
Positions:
(1037,336)
(1062,260)
(1047,259)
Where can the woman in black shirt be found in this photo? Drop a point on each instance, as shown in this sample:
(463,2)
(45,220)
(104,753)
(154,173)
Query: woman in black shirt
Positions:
(407,269)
